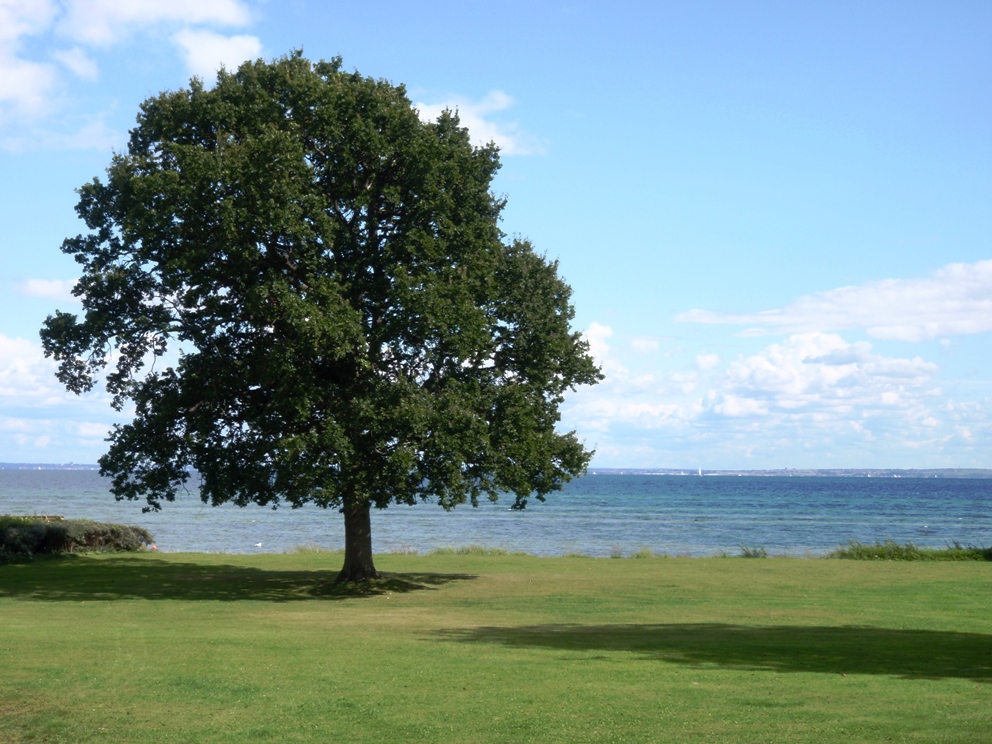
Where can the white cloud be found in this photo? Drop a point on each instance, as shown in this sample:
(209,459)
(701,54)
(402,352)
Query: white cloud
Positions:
(822,373)
(956,299)
(24,85)
(28,384)
(735,405)
(27,378)
(78,62)
(24,17)
(596,336)
(206,52)
(644,400)
(476,116)
(104,22)
(827,401)
(32,89)
(707,361)
(52,289)
(36,411)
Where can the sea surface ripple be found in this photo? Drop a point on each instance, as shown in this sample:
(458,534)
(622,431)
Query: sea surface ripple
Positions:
(596,515)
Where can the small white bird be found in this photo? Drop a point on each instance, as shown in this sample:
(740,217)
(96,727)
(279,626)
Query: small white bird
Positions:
(258,545)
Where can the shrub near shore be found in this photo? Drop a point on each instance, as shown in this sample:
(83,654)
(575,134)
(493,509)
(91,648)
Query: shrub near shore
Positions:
(26,536)
(891,551)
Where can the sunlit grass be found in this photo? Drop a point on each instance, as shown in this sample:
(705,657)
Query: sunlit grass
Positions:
(476,646)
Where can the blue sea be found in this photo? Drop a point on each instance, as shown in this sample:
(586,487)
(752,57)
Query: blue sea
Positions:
(596,515)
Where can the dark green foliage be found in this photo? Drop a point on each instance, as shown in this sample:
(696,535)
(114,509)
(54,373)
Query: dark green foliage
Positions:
(354,329)
(26,536)
(891,551)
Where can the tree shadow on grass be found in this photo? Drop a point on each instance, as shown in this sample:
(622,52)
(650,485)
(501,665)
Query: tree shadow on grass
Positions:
(910,654)
(70,579)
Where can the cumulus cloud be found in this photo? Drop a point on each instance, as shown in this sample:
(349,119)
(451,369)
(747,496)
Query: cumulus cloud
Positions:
(821,373)
(51,289)
(954,300)
(32,89)
(811,392)
(596,336)
(104,22)
(642,399)
(477,116)
(206,52)
(24,85)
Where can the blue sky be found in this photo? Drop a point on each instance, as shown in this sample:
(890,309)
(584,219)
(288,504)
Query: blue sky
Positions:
(776,217)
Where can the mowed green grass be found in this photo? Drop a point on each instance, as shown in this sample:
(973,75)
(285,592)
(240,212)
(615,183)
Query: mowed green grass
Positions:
(470,648)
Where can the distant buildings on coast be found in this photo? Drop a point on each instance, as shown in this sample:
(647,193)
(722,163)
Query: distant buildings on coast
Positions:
(806,473)
(46,466)
(694,472)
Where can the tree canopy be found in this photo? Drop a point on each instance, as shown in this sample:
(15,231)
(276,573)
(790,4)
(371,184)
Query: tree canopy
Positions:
(344,322)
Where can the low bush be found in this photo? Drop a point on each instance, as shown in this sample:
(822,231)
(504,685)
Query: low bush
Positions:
(27,536)
(892,551)
(469,550)
(647,553)
(748,552)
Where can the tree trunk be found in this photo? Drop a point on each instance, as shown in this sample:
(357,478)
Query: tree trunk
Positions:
(358,564)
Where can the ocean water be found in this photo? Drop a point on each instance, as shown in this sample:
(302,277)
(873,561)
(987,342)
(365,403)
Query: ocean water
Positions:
(595,515)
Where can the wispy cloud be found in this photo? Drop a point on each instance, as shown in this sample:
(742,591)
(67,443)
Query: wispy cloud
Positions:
(86,133)
(478,117)
(78,62)
(644,345)
(956,299)
(27,378)
(105,22)
(37,413)
(52,289)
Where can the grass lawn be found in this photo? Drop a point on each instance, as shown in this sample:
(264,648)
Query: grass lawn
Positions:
(473,648)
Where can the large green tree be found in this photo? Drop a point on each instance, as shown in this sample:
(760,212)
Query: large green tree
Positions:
(350,326)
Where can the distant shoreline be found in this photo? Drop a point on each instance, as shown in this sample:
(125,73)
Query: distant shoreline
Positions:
(47,466)
(807,472)
(781,473)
